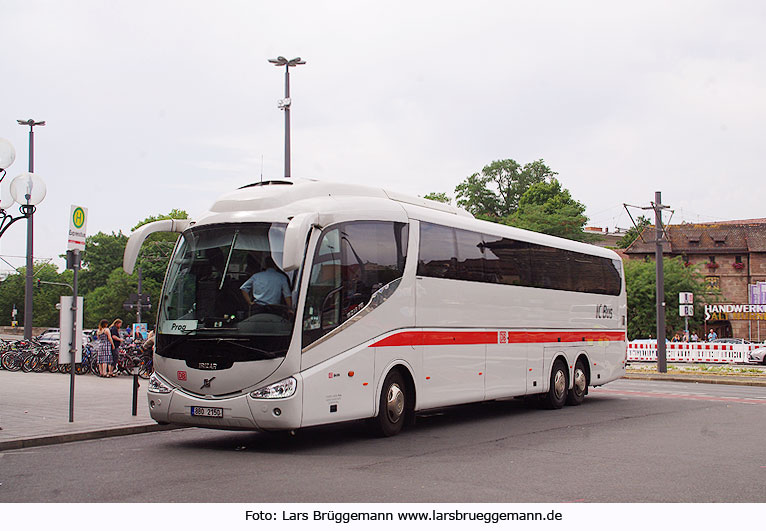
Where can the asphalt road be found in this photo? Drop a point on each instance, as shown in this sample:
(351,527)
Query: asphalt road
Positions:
(631,441)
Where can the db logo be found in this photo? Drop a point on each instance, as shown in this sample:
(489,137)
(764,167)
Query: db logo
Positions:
(329,375)
(182,376)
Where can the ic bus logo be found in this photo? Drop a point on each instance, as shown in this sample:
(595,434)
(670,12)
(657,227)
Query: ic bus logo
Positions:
(502,337)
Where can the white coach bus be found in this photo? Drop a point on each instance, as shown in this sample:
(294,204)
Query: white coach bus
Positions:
(396,305)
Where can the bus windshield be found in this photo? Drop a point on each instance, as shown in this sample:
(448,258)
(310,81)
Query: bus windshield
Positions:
(225,285)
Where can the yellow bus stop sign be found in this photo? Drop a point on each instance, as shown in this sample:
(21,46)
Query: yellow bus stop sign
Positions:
(78,220)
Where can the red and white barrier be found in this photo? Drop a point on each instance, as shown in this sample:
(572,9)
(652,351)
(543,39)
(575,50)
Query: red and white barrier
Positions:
(646,350)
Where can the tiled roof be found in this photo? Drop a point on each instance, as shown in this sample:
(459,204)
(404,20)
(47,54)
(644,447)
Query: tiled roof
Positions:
(703,238)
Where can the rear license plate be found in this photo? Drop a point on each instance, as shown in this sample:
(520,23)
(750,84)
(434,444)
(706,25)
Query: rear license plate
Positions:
(197,411)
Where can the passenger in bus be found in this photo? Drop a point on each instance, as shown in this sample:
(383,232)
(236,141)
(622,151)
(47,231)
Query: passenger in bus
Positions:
(267,288)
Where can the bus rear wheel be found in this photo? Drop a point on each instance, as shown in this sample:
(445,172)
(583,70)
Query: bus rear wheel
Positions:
(579,385)
(557,392)
(392,407)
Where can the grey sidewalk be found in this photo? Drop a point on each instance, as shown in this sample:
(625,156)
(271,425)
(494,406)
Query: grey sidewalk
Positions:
(34,409)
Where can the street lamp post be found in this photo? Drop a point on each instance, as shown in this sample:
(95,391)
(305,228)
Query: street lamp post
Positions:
(30,236)
(285,103)
(28,190)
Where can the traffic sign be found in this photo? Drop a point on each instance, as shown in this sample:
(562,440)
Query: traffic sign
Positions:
(132,302)
(78,221)
(686,310)
(686,298)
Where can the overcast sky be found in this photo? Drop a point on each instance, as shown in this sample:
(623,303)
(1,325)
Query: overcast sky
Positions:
(155,105)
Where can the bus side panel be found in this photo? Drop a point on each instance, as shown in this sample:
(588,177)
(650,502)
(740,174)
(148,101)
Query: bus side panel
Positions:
(611,365)
(452,374)
(506,370)
(341,388)
(536,374)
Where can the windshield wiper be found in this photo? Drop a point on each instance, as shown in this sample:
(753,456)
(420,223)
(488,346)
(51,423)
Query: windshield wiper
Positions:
(228,259)
(236,343)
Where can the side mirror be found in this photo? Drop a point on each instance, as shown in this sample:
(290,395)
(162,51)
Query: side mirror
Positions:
(138,237)
(295,239)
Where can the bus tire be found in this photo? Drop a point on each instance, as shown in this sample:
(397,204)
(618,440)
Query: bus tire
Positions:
(392,408)
(579,385)
(557,392)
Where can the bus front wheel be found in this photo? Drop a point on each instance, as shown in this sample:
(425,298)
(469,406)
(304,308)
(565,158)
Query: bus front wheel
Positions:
(392,408)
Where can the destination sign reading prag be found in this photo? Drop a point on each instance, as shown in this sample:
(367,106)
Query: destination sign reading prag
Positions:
(78,220)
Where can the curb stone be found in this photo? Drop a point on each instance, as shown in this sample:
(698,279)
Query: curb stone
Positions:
(47,440)
(699,378)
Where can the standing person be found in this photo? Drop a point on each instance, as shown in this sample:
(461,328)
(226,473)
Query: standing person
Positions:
(116,340)
(148,345)
(104,346)
(695,337)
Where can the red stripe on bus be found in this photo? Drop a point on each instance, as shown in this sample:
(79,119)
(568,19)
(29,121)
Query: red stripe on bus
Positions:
(433,338)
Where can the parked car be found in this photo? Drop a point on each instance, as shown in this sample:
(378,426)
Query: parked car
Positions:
(51,336)
(757,355)
(54,338)
(732,340)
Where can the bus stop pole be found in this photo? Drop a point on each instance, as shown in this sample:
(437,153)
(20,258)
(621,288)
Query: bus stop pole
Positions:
(73,343)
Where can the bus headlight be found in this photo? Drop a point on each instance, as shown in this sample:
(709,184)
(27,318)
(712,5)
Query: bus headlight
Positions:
(158,386)
(284,389)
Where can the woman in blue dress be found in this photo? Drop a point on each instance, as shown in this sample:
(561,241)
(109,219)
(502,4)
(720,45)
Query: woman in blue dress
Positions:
(104,346)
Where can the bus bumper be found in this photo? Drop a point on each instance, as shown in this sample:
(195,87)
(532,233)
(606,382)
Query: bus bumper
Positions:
(237,413)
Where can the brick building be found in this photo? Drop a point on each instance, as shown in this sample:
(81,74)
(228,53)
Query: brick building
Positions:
(729,254)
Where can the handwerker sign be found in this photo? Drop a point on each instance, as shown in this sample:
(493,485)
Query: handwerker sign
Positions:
(735,312)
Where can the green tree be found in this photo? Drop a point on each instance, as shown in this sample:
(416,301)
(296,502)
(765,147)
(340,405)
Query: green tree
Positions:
(103,254)
(44,297)
(634,232)
(441,197)
(494,193)
(548,208)
(640,280)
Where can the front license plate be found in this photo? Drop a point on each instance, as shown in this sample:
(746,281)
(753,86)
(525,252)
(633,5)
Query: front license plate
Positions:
(197,411)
